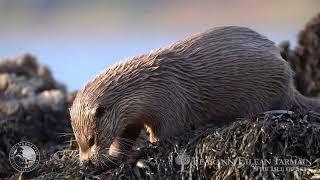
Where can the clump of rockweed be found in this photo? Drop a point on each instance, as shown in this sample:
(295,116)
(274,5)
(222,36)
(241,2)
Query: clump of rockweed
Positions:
(277,144)
(305,58)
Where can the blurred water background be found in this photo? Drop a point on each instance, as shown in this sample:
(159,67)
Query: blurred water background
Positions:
(79,38)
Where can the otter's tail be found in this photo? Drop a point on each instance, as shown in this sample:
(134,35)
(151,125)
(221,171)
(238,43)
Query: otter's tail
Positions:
(305,104)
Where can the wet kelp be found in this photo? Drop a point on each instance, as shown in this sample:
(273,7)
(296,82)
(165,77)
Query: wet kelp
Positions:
(274,144)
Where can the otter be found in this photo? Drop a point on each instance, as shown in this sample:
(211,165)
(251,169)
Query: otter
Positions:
(221,74)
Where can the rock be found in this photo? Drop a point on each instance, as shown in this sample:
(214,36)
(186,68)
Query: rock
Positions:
(33,107)
(305,58)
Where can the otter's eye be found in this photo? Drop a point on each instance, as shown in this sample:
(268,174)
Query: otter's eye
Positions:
(91,141)
(99,112)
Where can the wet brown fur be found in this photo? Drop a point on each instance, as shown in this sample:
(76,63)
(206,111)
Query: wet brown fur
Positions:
(218,75)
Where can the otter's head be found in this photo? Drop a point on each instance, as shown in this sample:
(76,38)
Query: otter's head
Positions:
(103,136)
(106,117)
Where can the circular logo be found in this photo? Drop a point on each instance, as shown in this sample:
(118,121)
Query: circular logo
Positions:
(24,156)
(183,158)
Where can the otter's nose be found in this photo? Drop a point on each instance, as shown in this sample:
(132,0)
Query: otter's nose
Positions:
(85,159)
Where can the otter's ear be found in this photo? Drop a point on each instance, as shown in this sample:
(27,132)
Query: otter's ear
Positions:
(98,112)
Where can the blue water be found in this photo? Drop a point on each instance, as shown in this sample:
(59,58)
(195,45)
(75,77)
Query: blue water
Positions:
(75,61)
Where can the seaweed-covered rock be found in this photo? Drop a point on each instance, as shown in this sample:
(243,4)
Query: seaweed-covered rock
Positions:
(305,58)
(33,107)
(274,144)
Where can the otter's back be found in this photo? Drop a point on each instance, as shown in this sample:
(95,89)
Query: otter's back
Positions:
(234,70)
